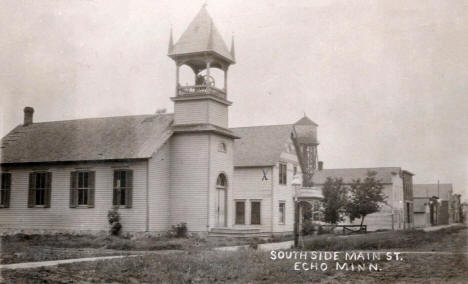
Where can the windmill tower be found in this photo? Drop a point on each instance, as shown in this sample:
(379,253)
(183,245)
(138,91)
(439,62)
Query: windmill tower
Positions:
(306,143)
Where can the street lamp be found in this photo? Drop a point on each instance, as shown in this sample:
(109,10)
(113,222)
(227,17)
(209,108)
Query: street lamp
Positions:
(296,182)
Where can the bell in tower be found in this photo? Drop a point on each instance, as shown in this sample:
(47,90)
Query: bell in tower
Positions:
(306,142)
(201,48)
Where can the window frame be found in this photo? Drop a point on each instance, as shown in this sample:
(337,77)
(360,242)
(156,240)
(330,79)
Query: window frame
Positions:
(259,212)
(5,189)
(240,201)
(127,189)
(282,214)
(222,147)
(46,189)
(282,173)
(75,188)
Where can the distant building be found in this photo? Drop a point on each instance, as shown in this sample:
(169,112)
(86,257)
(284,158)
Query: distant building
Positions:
(435,204)
(397,212)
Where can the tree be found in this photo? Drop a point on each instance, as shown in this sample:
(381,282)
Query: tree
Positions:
(365,197)
(334,200)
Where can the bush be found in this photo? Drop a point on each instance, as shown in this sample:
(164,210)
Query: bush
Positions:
(113,217)
(179,230)
(311,228)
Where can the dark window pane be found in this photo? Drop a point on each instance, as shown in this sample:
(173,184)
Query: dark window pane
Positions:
(80,180)
(282,212)
(85,180)
(38,180)
(123,179)
(2,197)
(122,197)
(40,196)
(255,213)
(240,213)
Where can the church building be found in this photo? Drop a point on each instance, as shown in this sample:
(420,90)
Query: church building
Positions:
(163,169)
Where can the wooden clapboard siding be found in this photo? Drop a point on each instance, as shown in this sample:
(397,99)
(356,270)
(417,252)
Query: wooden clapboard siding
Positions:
(159,183)
(189,175)
(220,162)
(249,186)
(397,202)
(284,193)
(188,112)
(60,216)
(201,111)
(218,114)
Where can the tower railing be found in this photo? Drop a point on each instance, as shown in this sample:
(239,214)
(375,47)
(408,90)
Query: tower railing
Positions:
(186,91)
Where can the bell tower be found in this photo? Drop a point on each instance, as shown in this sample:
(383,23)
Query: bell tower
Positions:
(201,148)
(203,103)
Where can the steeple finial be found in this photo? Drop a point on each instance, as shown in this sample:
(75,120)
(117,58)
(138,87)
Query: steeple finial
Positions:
(233,52)
(171,43)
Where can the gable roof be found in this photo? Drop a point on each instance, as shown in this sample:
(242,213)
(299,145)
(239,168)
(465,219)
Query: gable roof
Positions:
(260,145)
(384,174)
(92,139)
(201,35)
(442,191)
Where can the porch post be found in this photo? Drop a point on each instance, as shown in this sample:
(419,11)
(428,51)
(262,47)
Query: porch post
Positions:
(177,79)
(225,79)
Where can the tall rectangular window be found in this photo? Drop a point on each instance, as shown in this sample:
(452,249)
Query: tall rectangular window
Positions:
(240,212)
(282,212)
(255,209)
(123,185)
(39,189)
(282,173)
(82,189)
(295,170)
(5,189)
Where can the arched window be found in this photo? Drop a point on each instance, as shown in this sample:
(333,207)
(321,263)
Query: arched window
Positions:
(221,181)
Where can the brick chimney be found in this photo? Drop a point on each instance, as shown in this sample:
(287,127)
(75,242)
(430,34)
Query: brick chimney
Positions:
(320,165)
(28,116)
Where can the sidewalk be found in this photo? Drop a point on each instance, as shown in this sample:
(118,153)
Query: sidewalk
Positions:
(24,265)
(57,262)
(436,228)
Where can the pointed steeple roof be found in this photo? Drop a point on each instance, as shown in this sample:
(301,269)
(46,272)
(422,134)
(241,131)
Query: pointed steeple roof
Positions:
(201,36)
(305,121)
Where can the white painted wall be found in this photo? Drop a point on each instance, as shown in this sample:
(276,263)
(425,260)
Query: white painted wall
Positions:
(60,216)
(220,162)
(249,186)
(189,181)
(158,192)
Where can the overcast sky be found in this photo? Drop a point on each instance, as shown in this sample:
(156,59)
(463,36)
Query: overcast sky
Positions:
(385,80)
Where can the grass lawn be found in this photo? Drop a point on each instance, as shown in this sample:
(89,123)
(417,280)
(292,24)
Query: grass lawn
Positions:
(412,239)
(206,266)
(26,248)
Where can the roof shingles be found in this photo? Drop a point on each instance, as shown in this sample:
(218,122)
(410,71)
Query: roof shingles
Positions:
(110,138)
(260,145)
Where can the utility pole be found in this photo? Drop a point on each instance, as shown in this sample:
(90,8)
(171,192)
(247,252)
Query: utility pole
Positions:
(296,182)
